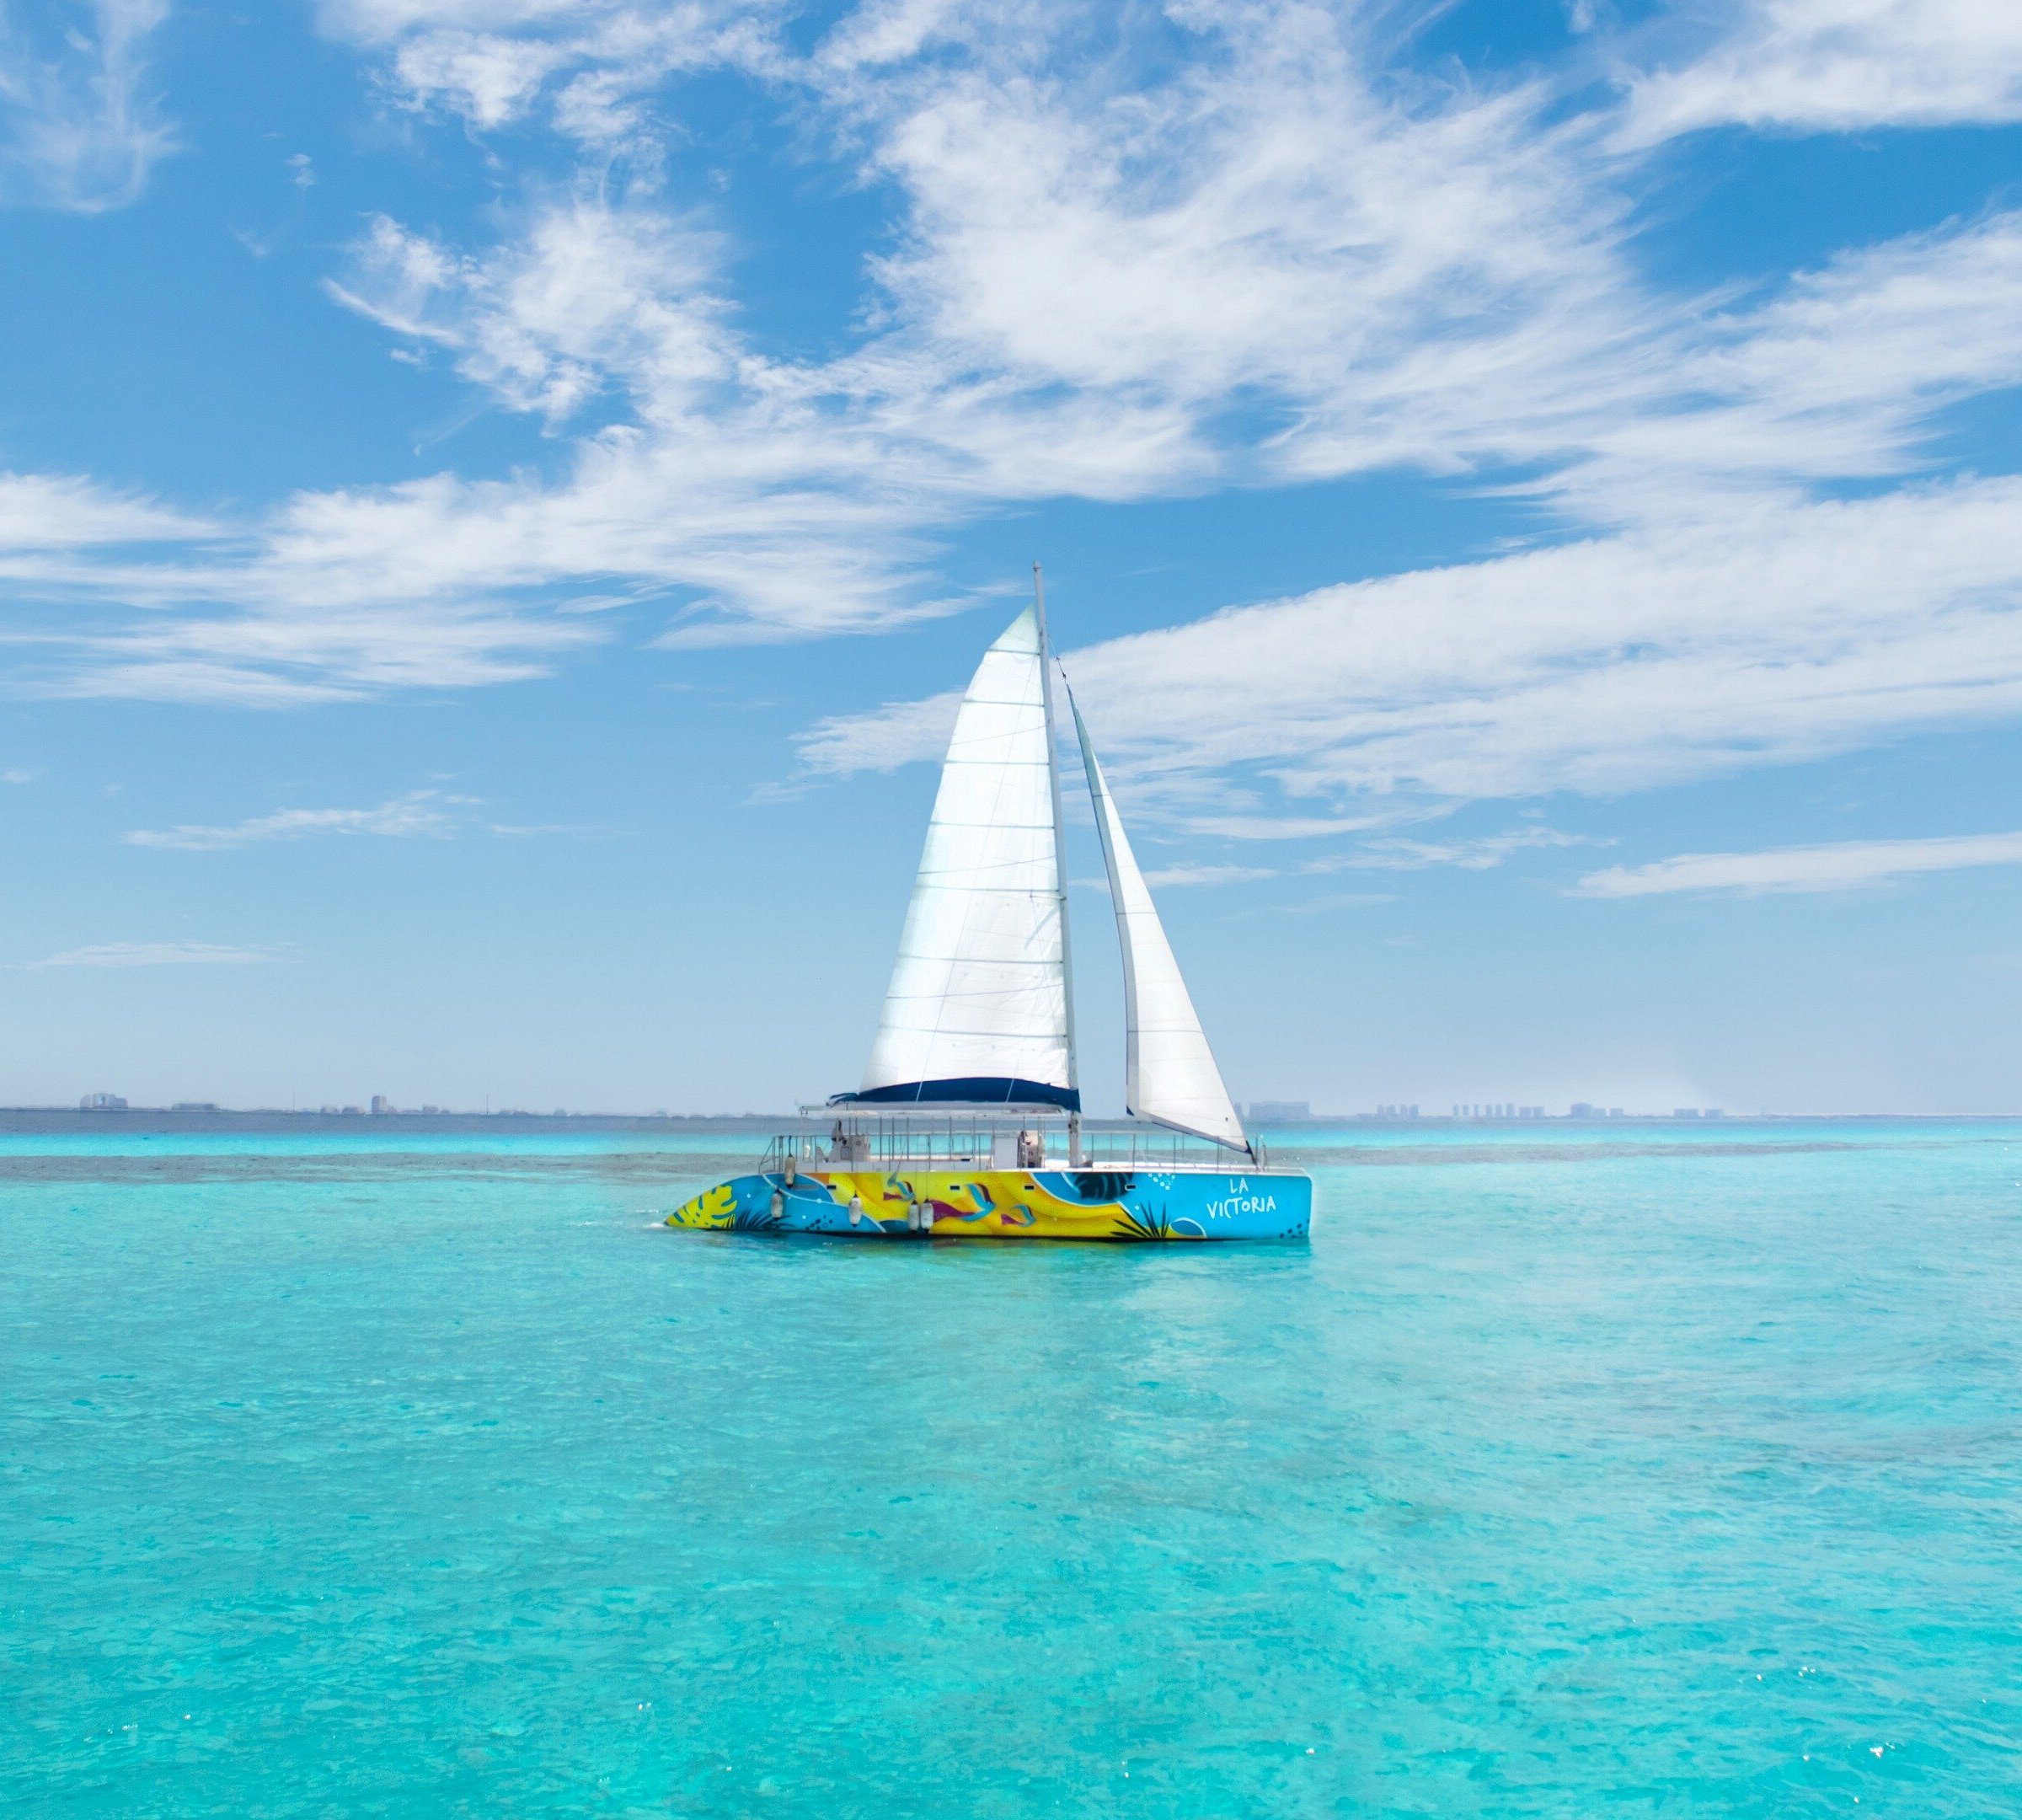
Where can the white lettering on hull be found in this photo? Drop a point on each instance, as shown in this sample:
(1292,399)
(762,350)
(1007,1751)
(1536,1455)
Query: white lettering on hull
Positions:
(1235,1205)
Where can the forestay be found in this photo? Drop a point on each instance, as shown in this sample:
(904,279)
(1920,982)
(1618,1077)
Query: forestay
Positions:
(977,1007)
(1171,1078)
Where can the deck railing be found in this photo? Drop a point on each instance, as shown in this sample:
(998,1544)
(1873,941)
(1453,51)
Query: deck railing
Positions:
(915,1142)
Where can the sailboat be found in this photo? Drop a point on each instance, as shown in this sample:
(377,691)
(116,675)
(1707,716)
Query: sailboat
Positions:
(968,1123)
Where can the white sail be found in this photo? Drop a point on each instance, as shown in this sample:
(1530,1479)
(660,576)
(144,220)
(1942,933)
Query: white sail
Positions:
(977,1008)
(1171,1078)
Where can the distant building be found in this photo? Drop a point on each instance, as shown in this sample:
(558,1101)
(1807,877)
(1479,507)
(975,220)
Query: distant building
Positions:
(1279,1112)
(1397,1112)
(1530,1112)
(381,1104)
(101,1102)
(194,1105)
(432,1108)
(1685,1111)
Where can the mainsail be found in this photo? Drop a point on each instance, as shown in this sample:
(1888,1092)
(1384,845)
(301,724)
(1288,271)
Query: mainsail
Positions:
(978,1007)
(1171,1078)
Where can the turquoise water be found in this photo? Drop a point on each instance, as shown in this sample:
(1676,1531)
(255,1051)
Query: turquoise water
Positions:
(1566,1473)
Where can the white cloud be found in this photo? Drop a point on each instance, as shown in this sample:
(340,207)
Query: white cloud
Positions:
(775,497)
(58,511)
(1478,854)
(1402,273)
(1274,827)
(1837,377)
(1206,874)
(487,78)
(593,292)
(77,128)
(283,651)
(1280,255)
(563,830)
(1771,634)
(1841,866)
(19,776)
(1839,66)
(158,953)
(593,64)
(900,733)
(419,812)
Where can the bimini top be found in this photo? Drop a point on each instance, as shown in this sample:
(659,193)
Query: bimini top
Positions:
(968,1090)
(980,1010)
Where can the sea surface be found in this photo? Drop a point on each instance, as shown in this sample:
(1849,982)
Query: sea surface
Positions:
(1571,1472)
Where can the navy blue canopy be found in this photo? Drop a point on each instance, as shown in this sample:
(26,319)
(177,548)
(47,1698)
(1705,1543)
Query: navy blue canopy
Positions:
(971,1089)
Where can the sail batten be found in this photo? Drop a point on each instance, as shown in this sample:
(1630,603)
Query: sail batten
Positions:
(977,1008)
(1170,1075)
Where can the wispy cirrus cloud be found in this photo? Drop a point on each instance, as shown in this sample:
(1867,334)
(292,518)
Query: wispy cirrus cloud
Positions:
(1478,854)
(79,128)
(1770,632)
(1162,878)
(1408,273)
(1725,617)
(41,513)
(1841,865)
(589,67)
(426,812)
(1838,65)
(1766,634)
(160,954)
(597,294)
(760,495)
(881,739)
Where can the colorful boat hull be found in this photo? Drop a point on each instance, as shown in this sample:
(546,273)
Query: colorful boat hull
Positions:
(1115,1205)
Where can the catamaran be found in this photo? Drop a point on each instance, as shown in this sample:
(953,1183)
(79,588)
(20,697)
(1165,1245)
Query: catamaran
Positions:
(956,1130)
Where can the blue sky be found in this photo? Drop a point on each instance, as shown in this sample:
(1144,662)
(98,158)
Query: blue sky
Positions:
(495,496)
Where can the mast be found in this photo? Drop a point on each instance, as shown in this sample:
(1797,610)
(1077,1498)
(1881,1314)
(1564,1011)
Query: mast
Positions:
(1059,869)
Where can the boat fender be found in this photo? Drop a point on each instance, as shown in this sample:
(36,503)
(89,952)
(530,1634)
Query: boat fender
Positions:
(926,1216)
(856,1208)
(912,1216)
(778,1203)
(790,1172)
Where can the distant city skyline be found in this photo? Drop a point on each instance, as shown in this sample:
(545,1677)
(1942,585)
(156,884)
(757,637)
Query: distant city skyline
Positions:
(495,501)
(1258,1114)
